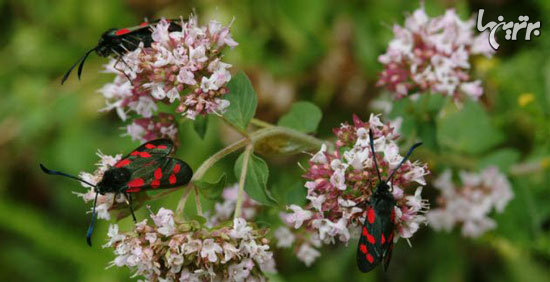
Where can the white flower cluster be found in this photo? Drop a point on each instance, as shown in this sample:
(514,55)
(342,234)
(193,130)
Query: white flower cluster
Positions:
(471,203)
(224,211)
(432,54)
(186,62)
(104,202)
(168,252)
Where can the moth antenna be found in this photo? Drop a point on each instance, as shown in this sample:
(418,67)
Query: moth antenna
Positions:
(53,172)
(374,155)
(76,63)
(91,227)
(81,66)
(404,159)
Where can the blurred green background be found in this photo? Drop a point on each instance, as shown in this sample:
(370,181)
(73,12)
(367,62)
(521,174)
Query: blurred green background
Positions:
(322,51)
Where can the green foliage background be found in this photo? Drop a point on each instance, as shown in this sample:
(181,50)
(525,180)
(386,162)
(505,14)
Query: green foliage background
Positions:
(318,49)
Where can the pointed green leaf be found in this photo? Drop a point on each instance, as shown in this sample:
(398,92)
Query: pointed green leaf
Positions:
(243,101)
(256,179)
(210,190)
(200,125)
(303,116)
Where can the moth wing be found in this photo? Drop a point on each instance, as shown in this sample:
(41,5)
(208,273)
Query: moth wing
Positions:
(147,152)
(162,173)
(374,241)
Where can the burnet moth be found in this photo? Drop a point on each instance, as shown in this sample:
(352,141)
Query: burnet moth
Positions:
(117,42)
(376,241)
(148,167)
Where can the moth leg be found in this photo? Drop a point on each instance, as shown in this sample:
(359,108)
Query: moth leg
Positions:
(129,200)
(121,70)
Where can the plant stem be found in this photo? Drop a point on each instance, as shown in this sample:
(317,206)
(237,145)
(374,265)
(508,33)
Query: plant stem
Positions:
(204,167)
(197,200)
(261,123)
(218,156)
(244,170)
(296,135)
(181,203)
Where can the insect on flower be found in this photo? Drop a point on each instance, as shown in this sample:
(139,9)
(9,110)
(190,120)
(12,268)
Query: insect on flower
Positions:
(147,167)
(118,42)
(376,241)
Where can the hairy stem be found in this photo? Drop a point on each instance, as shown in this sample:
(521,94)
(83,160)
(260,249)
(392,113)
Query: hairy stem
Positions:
(183,200)
(242,180)
(260,123)
(197,200)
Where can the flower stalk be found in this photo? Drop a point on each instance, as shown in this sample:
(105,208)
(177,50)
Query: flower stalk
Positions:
(242,179)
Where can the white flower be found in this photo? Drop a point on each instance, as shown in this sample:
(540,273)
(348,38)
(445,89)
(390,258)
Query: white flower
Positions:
(210,249)
(307,254)
(298,216)
(164,220)
(192,246)
(239,272)
(240,229)
(320,157)
(113,235)
(229,252)
(284,237)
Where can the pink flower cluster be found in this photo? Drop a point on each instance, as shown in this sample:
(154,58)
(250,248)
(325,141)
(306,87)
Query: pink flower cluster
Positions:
(224,211)
(182,67)
(162,125)
(340,184)
(167,251)
(432,54)
(470,203)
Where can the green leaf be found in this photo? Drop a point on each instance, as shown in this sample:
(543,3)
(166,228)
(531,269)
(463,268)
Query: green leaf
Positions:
(256,179)
(303,116)
(243,101)
(211,190)
(468,130)
(200,124)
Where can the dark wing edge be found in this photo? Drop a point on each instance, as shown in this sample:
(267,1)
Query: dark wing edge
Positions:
(148,151)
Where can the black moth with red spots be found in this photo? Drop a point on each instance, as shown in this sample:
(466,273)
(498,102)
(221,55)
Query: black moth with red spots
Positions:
(376,241)
(117,42)
(148,167)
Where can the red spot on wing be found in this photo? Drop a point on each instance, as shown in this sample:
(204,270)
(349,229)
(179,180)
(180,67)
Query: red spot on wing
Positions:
(365,231)
(135,183)
(150,146)
(176,168)
(370,215)
(383,239)
(158,173)
(363,248)
(370,238)
(155,183)
(122,31)
(135,153)
(145,155)
(162,147)
(143,24)
(172,179)
(370,258)
(133,190)
(122,163)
